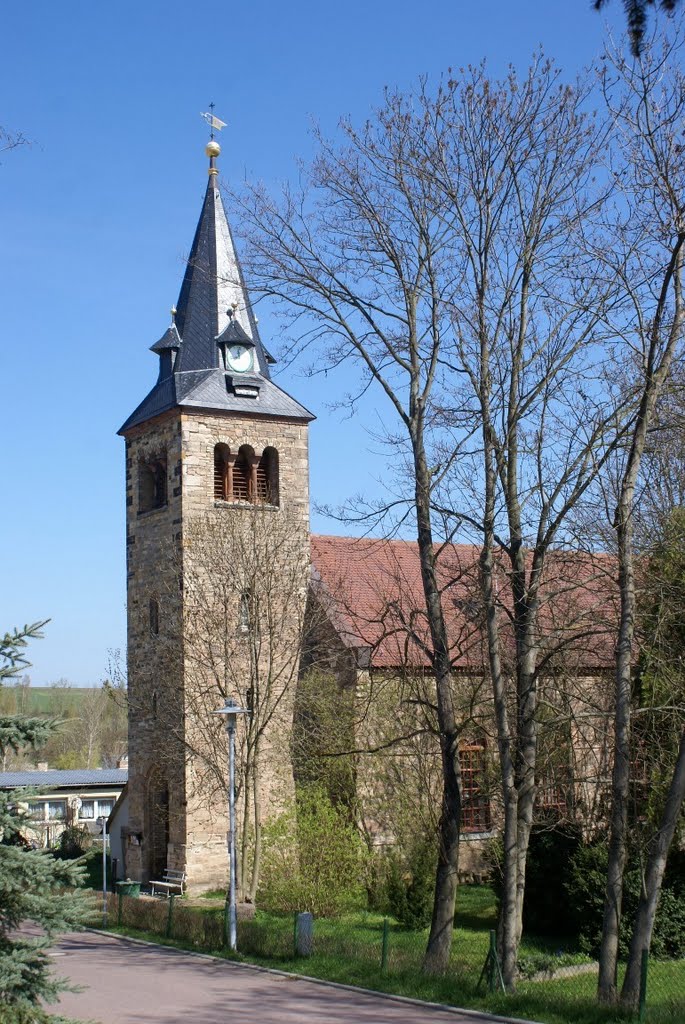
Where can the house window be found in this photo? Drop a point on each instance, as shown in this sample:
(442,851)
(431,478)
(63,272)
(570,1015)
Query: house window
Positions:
(475,802)
(152,484)
(37,810)
(92,809)
(57,810)
(154,616)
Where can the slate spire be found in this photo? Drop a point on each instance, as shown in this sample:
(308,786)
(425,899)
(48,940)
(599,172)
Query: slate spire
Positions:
(213,314)
(213,294)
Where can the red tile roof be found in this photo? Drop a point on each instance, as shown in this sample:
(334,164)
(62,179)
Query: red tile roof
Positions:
(373,594)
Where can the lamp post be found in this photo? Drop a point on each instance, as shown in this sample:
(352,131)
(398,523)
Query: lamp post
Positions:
(103,822)
(231,710)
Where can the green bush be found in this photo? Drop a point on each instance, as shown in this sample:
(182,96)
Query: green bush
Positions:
(74,842)
(586,884)
(410,883)
(550,853)
(312,859)
(565,886)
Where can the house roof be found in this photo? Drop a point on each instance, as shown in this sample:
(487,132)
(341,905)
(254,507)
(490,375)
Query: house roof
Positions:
(77,778)
(213,307)
(372,593)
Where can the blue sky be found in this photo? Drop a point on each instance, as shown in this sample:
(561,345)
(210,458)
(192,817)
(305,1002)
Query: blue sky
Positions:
(97,214)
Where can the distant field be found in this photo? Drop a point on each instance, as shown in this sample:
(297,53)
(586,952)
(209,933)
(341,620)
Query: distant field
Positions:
(43,700)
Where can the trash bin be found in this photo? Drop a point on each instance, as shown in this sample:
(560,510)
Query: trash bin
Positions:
(128,888)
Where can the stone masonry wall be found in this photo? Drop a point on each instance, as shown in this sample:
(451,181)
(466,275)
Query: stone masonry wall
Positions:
(167,801)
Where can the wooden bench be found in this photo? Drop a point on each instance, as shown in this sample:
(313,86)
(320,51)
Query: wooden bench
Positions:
(173,881)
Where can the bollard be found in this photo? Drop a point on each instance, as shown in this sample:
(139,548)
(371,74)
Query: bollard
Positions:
(170,915)
(384,947)
(304,934)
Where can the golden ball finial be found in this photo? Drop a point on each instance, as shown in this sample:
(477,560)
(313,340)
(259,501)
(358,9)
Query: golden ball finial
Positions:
(212,149)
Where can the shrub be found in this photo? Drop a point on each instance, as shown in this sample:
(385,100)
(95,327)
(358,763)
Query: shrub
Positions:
(312,859)
(74,842)
(586,884)
(410,883)
(565,886)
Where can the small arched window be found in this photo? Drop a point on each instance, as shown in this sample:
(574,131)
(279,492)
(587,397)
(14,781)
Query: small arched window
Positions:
(244,612)
(267,477)
(152,485)
(154,616)
(223,473)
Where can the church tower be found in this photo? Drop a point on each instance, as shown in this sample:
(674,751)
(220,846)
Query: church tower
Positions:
(214,447)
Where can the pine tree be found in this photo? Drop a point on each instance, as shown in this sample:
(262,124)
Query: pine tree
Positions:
(38,893)
(636,16)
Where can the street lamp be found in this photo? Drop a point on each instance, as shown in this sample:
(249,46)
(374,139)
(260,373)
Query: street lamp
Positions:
(103,822)
(231,710)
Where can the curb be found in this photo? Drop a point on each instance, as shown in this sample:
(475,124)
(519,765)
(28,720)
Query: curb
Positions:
(489,1018)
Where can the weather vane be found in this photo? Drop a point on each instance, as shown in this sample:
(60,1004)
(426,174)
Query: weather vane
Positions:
(214,123)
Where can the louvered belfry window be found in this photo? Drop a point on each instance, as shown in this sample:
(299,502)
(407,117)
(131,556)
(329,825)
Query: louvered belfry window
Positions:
(267,477)
(221,466)
(475,804)
(242,471)
(245,477)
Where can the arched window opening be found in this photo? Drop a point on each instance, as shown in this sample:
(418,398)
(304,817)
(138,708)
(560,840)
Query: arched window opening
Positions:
(475,805)
(154,616)
(267,477)
(223,473)
(152,484)
(243,488)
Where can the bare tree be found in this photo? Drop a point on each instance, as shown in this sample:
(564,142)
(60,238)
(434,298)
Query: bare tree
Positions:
(439,250)
(647,101)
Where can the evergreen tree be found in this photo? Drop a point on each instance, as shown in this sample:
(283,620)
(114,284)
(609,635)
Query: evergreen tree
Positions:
(37,891)
(636,15)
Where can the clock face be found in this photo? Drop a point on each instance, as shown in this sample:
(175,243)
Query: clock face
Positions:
(239,358)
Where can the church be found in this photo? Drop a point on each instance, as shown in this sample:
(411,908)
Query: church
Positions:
(217,474)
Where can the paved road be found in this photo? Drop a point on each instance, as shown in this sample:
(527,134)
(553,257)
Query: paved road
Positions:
(130,983)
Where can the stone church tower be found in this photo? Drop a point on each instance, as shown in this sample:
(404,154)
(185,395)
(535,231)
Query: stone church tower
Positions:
(214,437)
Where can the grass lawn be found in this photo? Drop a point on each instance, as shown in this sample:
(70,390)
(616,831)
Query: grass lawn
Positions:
(348,950)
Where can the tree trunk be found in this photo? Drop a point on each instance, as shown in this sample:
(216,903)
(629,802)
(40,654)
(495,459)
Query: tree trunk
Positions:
(257,849)
(439,946)
(611,925)
(656,865)
(657,368)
